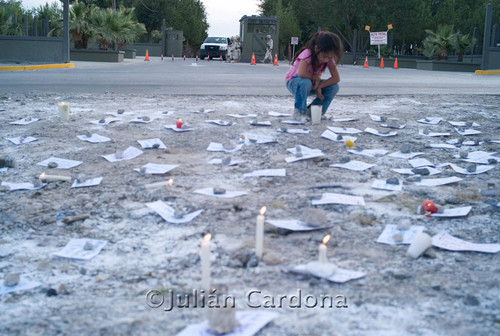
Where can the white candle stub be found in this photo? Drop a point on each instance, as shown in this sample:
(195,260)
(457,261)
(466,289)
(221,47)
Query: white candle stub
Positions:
(155,185)
(51,178)
(322,250)
(205,262)
(259,234)
(419,244)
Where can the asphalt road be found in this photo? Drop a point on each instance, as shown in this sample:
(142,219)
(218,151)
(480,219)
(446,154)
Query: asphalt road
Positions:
(219,78)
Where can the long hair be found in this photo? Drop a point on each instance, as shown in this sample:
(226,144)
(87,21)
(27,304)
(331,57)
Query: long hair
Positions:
(325,41)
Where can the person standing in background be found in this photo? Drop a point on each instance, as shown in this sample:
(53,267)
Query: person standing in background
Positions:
(269,50)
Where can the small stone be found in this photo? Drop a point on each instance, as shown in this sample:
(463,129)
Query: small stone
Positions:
(358,148)
(178,213)
(298,149)
(156,145)
(471,168)
(468,124)
(426,131)
(471,300)
(392,180)
(314,217)
(11,279)
(345,159)
(202,109)
(430,253)
(51,292)
(142,170)
(487,139)
(421,171)
(464,154)
(119,154)
(120,111)
(492,161)
(383,119)
(102,121)
(405,149)
(83,270)
(253,261)
(88,246)
(219,191)
(88,134)
(146,118)
(252,140)
(298,154)
(52,164)
(226,161)
(340,137)
(397,237)
(453,200)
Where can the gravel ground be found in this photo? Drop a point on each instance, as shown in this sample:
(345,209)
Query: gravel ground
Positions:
(451,293)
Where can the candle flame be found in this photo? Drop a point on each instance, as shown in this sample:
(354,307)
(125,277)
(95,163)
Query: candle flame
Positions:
(42,176)
(170,182)
(207,237)
(263,210)
(326,239)
(179,119)
(429,203)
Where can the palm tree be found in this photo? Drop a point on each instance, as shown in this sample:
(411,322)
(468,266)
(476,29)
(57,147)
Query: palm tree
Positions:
(440,42)
(79,26)
(463,43)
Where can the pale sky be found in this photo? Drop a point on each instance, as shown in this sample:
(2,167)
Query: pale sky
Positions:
(223,15)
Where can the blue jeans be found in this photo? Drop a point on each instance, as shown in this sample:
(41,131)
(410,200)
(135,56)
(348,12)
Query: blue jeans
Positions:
(302,87)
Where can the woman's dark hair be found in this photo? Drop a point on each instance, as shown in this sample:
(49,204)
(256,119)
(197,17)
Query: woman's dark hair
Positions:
(325,41)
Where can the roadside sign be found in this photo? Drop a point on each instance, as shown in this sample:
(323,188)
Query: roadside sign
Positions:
(295,40)
(378,38)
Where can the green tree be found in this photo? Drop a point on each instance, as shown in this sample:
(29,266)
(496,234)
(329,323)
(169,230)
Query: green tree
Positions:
(463,44)
(440,42)
(79,24)
(7,11)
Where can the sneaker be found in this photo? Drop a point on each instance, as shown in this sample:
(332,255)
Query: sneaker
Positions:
(323,117)
(298,116)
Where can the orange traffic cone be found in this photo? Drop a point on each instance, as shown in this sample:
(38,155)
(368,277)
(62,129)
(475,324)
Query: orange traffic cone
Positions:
(382,63)
(366,62)
(396,63)
(252,62)
(147,56)
(275,59)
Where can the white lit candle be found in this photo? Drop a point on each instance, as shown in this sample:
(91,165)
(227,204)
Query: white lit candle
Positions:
(155,185)
(50,178)
(259,235)
(205,262)
(322,250)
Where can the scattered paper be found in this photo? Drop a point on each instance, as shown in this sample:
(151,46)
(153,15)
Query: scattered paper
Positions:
(17,140)
(87,183)
(250,322)
(455,212)
(341,275)
(220,161)
(174,128)
(61,163)
(293,225)
(382,134)
(258,139)
(149,143)
(220,122)
(25,121)
(400,155)
(335,137)
(75,249)
(408,171)
(447,242)
(277,114)
(353,165)
(243,115)
(438,181)
(376,118)
(266,172)
(463,123)
(227,194)
(292,122)
(382,184)
(218,147)
(343,119)
(334,198)
(260,123)
(168,213)
(343,130)
(140,120)
(128,154)
(156,168)
(444,146)
(386,237)
(23,285)
(369,152)
(21,186)
(479,169)
(393,126)
(94,138)
(415,163)
(293,130)
(306,153)
(107,121)
(433,134)
(430,120)
(480,157)
(467,131)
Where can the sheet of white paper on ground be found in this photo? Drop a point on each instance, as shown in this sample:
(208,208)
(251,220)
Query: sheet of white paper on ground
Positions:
(444,146)
(433,134)
(455,212)
(228,194)
(353,165)
(438,181)
(24,121)
(168,213)
(382,134)
(94,138)
(257,139)
(479,169)
(480,157)
(231,163)
(393,126)
(249,323)
(415,163)
(149,143)
(4,169)
(382,184)
(21,186)
(408,171)
(277,114)
(386,237)
(447,242)
(23,285)
(294,130)
(243,115)
(400,155)
(266,172)
(292,122)
(430,120)
(116,114)
(307,153)
(75,249)
(220,122)
(344,130)
(128,154)
(343,119)
(333,136)
(174,128)
(87,183)
(156,168)
(334,198)
(462,123)
(218,147)
(203,111)
(375,117)
(260,123)
(140,120)
(107,121)
(61,163)
(17,140)
(369,152)
(293,225)
(341,275)
(467,131)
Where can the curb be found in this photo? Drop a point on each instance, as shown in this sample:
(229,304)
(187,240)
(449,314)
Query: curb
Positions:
(487,72)
(37,67)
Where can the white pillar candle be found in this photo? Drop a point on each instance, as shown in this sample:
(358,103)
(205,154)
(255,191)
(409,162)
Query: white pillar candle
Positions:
(155,185)
(259,234)
(322,250)
(50,178)
(205,262)
(421,242)
(63,111)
